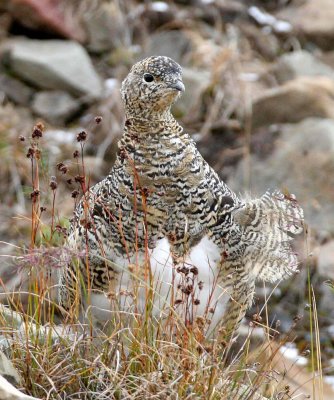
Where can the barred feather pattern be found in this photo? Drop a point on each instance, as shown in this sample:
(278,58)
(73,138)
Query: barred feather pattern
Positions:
(161,187)
(260,249)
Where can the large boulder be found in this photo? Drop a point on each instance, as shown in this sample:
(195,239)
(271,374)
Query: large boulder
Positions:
(15,90)
(105,28)
(55,64)
(300,63)
(55,106)
(55,16)
(173,44)
(311,20)
(295,100)
(303,164)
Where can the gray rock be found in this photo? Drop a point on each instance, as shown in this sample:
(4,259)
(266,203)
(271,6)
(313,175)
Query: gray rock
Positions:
(325,308)
(330,329)
(55,64)
(15,90)
(105,27)
(7,369)
(12,318)
(295,100)
(311,20)
(300,63)
(9,392)
(303,164)
(173,44)
(195,82)
(325,255)
(56,107)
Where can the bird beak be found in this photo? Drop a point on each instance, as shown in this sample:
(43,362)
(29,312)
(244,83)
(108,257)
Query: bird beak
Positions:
(178,85)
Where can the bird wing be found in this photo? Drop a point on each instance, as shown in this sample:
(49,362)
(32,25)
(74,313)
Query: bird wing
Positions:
(268,226)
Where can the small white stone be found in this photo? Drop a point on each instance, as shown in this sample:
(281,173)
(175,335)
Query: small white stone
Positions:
(160,6)
(290,351)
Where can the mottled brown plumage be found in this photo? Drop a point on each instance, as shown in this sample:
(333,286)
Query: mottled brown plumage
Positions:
(161,187)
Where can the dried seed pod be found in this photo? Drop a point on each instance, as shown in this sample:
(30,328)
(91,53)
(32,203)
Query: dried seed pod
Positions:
(53,183)
(82,136)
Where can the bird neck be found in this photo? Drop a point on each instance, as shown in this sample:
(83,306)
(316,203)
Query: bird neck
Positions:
(157,124)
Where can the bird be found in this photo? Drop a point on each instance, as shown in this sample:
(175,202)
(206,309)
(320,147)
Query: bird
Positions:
(163,215)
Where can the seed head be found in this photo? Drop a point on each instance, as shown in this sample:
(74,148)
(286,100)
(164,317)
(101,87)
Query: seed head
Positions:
(194,270)
(187,290)
(81,136)
(79,179)
(37,133)
(74,194)
(62,168)
(30,153)
(53,183)
(257,318)
(76,154)
(183,270)
(61,229)
(22,138)
(98,119)
(34,195)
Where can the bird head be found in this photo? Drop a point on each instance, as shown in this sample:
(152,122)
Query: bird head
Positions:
(151,87)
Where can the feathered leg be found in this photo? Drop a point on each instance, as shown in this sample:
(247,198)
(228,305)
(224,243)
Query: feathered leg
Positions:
(241,298)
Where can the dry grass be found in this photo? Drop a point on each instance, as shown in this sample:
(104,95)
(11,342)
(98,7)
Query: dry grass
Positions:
(136,357)
(144,358)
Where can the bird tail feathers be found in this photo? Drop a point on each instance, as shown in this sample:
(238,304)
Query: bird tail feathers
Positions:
(268,225)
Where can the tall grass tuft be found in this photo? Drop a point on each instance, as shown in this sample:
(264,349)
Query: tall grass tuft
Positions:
(136,355)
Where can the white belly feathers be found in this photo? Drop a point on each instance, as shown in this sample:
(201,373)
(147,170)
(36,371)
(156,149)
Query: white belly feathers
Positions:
(191,290)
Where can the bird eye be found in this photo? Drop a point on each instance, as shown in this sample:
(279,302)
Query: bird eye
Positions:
(148,78)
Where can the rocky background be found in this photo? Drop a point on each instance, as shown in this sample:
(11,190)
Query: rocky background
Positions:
(259,102)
